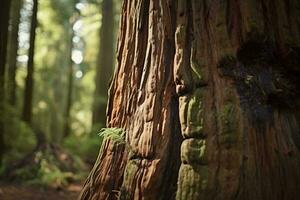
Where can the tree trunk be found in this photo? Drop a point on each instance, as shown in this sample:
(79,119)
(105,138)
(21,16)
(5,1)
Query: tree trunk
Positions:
(13,49)
(70,86)
(222,75)
(28,93)
(4,18)
(105,63)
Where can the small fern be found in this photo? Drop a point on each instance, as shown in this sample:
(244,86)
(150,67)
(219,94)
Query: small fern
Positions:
(115,134)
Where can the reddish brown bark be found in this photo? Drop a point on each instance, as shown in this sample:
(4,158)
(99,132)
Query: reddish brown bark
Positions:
(231,92)
(247,149)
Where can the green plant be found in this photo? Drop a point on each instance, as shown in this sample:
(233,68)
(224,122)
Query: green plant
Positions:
(115,134)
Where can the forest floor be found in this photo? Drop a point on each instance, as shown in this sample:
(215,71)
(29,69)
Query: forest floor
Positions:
(23,192)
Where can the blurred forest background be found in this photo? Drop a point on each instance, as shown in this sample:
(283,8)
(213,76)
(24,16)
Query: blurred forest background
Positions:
(57,58)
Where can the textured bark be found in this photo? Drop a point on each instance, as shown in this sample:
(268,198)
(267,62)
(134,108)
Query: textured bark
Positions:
(28,93)
(105,62)
(13,49)
(232,92)
(143,92)
(99,186)
(4,18)
(235,87)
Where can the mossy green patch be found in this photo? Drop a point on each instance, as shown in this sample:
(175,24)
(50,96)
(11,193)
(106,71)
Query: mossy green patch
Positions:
(228,120)
(131,168)
(193,151)
(194,115)
(192,182)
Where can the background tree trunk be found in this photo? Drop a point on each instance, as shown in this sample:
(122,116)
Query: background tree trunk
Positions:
(232,93)
(13,49)
(70,86)
(4,18)
(28,93)
(105,62)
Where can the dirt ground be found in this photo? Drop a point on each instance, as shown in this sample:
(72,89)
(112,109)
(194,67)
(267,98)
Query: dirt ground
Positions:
(21,192)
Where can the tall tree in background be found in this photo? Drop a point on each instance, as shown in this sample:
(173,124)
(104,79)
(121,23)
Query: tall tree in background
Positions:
(105,62)
(13,49)
(73,16)
(218,78)
(28,93)
(70,83)
(4,18)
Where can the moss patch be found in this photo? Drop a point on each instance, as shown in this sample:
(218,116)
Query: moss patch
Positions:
(192,182)
(193,151)
(229,125)
(194,115)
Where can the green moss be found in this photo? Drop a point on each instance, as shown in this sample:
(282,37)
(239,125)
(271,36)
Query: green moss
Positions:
(193,151)
(195,113)
(131,169)
(192,182)
(228,120)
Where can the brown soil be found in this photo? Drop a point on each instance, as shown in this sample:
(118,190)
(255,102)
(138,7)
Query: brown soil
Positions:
(18,192)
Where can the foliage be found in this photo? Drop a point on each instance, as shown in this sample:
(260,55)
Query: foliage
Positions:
(50,166)
(19,137)
(53,52)
(115,134)
(89,146)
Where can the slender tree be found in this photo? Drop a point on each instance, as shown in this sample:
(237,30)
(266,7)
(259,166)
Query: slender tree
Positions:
(70,85)
(73,16)
(28,93)
(208,95)
(4,18)
(13,49)
(105,62)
